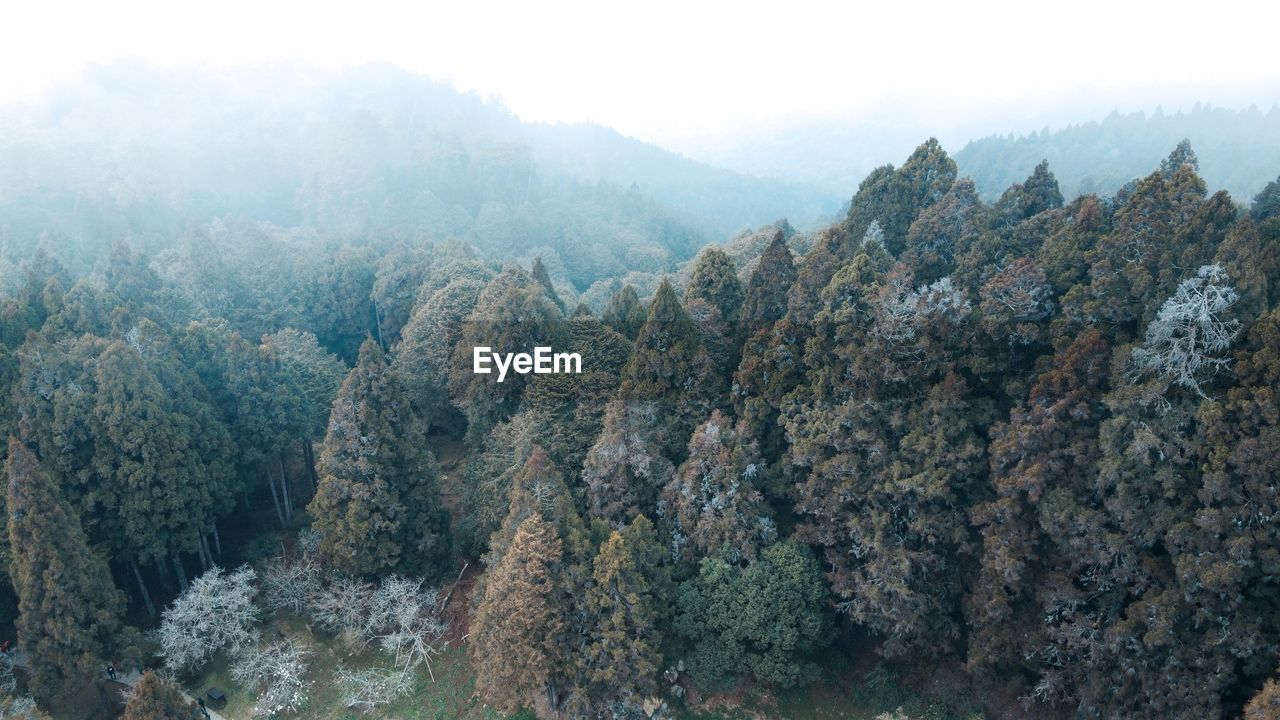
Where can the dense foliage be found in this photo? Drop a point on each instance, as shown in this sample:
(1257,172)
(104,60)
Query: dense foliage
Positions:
(1038,437)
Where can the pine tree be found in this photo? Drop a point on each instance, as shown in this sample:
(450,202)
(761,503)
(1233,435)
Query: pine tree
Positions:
(154,698)
(1046,448)
(626,467)
(538,488)
(713,503)
(894,198)
(624,312)
(162,456)
(715,280)
(540,275)
(68,610)
(377,507)
(944,231)
(571,407)
(671,370)
(766,299)
(516,634)
(619,661)
(426,347)
(513,314)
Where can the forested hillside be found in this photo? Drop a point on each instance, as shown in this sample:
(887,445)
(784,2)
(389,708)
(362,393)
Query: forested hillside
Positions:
(371,157)
(1033,440)
(1238,151)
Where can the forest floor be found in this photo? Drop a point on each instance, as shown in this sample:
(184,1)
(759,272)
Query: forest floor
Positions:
(858,691)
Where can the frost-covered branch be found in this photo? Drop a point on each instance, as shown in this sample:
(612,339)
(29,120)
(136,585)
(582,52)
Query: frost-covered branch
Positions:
(1186,341)
(215,613)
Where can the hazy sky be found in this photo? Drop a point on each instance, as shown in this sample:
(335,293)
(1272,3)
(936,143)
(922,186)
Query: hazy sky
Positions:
(666,70)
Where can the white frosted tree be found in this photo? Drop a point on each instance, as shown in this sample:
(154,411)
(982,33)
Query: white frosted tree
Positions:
(1188,339)
(215,613)
(278,673)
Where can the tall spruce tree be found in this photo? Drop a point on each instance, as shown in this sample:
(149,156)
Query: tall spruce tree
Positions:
(68,610)
(624,312)
(517,635)
(619,662)
(378,506)
(671,370)
(766,298)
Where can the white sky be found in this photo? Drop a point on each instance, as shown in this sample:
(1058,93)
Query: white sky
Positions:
(662,70)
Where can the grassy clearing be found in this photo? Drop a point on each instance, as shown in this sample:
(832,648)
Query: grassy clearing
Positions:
(843,693)
(846,695)
(451,695)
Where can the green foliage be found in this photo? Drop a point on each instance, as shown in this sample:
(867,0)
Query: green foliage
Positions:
(68,611)
(764,621)
(766,298)
(517,631)
(377,507)
(624,313)
(671,370)
(514,314)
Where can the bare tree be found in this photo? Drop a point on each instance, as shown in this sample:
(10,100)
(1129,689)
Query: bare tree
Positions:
(290,579)
(341,605)
(278,671)
(1185,342)
(404,621)
(365,690)
(20,708)
(8,683)
(215,613)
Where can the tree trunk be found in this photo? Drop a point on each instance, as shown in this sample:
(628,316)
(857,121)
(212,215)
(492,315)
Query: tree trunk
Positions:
(204,559)
(275,497)
(204,547)
(163,572)
(179,570)
(284,490)
(308,459)
(142,588)
(217,541)
(377,324)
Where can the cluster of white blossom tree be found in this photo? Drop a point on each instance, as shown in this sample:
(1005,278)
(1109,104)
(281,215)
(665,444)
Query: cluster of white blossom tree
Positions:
(222,612)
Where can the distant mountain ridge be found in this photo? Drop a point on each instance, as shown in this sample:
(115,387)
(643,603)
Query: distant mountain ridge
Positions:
(1238,150)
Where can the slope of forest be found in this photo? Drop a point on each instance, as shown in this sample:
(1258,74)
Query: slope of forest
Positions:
(1238,150)
(1032,441)
(139,154)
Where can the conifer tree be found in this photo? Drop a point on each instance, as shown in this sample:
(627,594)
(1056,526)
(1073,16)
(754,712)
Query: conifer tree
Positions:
(766,298)
(671,370)
(163,458)
(518,630)
(1045,448)
(513,314)
(715,280)
(713,503)
(626,467)
(894,198)
(155,698)
(68,610)
(571,407)
(426,347)
(619,661)
(944,231)
(378,507)
(624,312)
(539,273)
(538,488)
